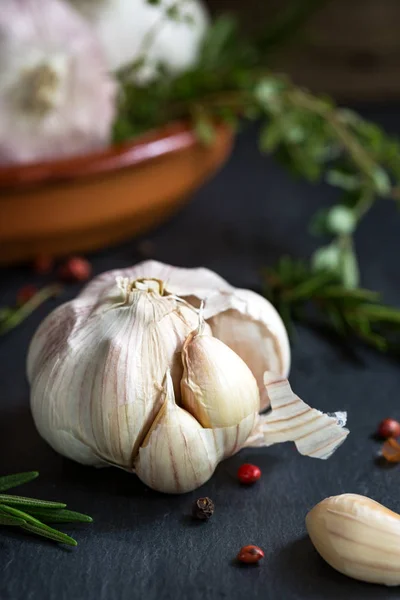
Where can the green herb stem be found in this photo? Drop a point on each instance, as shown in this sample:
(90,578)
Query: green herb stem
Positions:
(29,307)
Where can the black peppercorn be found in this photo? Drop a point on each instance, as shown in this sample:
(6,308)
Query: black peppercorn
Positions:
(203,509)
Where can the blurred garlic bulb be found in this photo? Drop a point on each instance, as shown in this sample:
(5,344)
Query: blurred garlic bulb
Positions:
(129,374)
(130,28)
(56,97)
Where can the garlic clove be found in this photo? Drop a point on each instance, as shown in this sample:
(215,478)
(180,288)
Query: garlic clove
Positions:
(217,386)
(178,455)
(243,320)
(358,537)
(252,327)
(315,434)
(175,457)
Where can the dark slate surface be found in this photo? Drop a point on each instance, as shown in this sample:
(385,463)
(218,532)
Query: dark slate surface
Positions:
(143,544)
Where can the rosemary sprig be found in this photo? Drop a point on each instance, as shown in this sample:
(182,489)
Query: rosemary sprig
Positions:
(10,481)
(301,293)
(34,509)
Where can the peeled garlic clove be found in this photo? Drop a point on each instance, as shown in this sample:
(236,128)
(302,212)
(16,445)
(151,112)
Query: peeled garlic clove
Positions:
(217,387)
(315,434)
(243,320)
(358,537)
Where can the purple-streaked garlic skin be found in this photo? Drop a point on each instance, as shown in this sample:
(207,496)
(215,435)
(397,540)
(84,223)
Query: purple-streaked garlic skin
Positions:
(57,98)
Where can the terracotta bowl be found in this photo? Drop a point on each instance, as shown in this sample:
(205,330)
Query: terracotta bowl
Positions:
(87,202)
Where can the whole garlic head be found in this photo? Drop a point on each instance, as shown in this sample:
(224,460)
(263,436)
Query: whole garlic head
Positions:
(56,97)
(129,374)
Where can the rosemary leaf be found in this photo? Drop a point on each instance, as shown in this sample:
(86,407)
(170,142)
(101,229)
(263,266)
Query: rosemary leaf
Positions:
(307,288)
(59,516)
(356,294)
(22,501)
(10,481)
(9,520)
(35,526)
(48,532)
(379,312)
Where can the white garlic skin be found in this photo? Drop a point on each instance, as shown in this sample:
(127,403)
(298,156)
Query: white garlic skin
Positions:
(124,25)
(358,537)
(57,98)
(178,455)
(242,319)
(96,367)
(175,457)
(217,386)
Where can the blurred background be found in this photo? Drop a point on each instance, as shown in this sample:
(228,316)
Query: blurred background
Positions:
(347,50)
(350,50)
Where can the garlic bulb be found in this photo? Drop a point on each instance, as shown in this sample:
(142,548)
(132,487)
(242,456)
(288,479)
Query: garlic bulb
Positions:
(358,537)
(130,29)
(56,98)
(129,374)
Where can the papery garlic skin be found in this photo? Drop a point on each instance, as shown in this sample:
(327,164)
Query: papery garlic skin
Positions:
(178,455)
(56,96)
(96,366)
(175,457)
(133,29)
(217,386)
(358,537)
(242,319)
